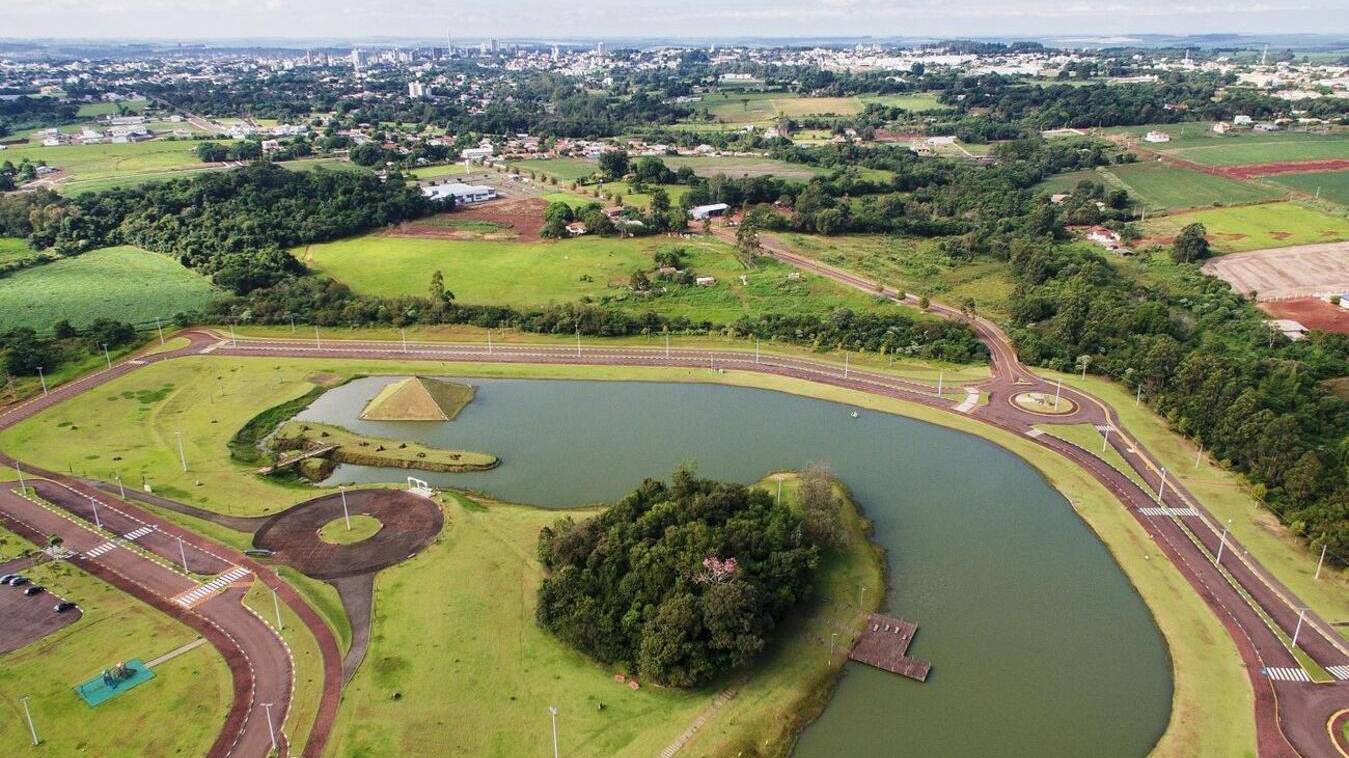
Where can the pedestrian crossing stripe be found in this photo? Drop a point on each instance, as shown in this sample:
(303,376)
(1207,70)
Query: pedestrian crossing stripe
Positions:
(100,550)
(1286,674)
(1168,511)
(138,533)
(1034,432)
(1339,672)
(203,591)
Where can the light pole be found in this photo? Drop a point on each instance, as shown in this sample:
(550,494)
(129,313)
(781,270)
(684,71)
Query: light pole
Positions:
(402,330)
(578,342)
(1161,486)
(318,345)
(159,329)
(276,606)
(234,340)
(756,351)
(552,711)
(846,357)
(182,553)
(26,714)
(121,489)
(1222,543)
(489,341)
(98,523)
(345,515)
(41,377)
(1106,441)
(182,457)
(779,490)
(941,378)
(1301,612)
(107,358)
(1138,395)
(667,346)
(1058,388)
(1319,562)
(23,490)
(270,729)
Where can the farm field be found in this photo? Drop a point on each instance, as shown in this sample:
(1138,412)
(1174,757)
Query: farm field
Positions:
(1233,230)
(917,101)
(1331,185)
(124,283)
(1302,271)
(94,110)
(483,570)
(85,164)
(1197,142)
(913,265)
(760,107)
(1158,186)
(594,268)
(192,691)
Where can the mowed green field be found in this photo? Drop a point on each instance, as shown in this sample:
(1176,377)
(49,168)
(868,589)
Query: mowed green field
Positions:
(1328,185)
(1196,141)
(192,692)
(84,165)
(475,674)
(1235,230)
(917,101)
(536,274)
(1160,186)
(761,107)
(94,110)
(913,265)
(13,247)
(123,283)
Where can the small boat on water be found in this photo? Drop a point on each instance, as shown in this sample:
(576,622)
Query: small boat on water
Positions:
(855,414)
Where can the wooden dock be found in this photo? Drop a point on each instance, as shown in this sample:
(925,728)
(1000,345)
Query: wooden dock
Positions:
(884,643)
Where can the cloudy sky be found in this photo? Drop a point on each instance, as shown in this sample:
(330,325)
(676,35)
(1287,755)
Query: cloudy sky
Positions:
(195,19)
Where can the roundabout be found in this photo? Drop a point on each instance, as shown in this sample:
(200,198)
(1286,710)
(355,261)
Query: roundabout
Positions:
(312,536)
(1044,404)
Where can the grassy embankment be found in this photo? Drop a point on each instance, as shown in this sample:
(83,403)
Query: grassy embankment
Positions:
(589,269)
(192,691)
(337,532)
(506,670)
(1226,495)
(366,450)
(1211,699)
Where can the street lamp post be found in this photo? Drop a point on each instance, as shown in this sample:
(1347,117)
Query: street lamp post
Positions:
(552,711)
(1319,561)
(159,329)
(98,523)
(182,553)
(346,516)
(29,716)
(1301,612)
(23,490)
(182,457)
(276,606)
(107,358)
(1222,543)
(41,377)
(271,730)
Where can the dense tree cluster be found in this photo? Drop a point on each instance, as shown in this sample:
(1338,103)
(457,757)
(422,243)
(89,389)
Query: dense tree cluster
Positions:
(233,225)
(681,581)
(1208,362)
(20,113)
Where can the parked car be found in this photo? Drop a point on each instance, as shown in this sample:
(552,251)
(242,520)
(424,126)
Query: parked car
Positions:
(36,589)
(63,606)
(18,580)
(5,579)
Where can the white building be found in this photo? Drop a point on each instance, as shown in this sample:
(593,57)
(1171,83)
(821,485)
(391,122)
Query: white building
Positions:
(418,90)
(476,153)
(463,194)
(698,213)
(1293,330)
(1155,136)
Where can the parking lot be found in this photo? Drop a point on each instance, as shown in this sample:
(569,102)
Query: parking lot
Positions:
(28,619)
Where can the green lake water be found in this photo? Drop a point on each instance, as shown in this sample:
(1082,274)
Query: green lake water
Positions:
(1039,645)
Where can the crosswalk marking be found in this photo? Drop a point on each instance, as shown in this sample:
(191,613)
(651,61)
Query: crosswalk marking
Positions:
(1339,672)
(1286,674)
(1033,432)
(1168,511)
(203,591)
(100,550)
(138,533)
(970,401)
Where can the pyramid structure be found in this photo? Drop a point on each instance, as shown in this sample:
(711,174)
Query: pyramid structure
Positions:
(418,398)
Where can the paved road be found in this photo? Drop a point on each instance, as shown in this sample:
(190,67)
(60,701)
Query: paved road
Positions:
(1292,716)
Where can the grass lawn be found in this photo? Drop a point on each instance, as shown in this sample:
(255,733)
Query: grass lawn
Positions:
(476,674)
(1211,697)
(86,163)
(916,101)
(1158,186)
(94,110)
(363,527)
(191,692)
(913,265)
(536,274)
(13,247)
(1235,230)
(1329,185)
(1223,494)
(1196,141)
(125,283)
(1086,437)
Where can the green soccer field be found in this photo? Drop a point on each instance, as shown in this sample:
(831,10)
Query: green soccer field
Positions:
(123,283)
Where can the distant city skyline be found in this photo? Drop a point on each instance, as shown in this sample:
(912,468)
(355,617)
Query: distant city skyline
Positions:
(596,19)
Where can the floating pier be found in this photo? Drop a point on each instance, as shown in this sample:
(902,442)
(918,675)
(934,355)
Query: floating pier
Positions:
(884,644)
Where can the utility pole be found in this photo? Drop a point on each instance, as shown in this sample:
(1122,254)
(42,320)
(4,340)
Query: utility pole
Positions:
(846,357)
(28,715)
(42,378)
(1320,562)
(317,343)
(756,351)
(234,339)
(403,332)
(345,515)
(578,341)
(489,341)
(182,553)
(552,711)
(107,358)
(276,606)
(121,489)
(941,377)
(182,457)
